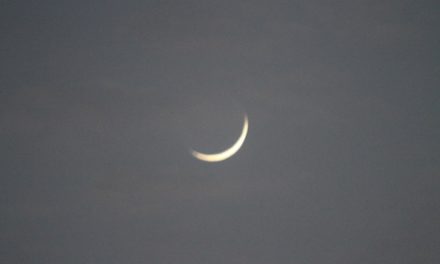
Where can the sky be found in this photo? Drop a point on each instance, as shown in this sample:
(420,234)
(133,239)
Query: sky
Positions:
(101,101)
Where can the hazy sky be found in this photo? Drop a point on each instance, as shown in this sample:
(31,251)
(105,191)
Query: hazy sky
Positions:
(101,100)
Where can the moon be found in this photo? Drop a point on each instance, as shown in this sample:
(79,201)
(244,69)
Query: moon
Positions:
(227,153)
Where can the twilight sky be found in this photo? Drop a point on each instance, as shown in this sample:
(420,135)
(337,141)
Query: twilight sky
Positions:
(101,100)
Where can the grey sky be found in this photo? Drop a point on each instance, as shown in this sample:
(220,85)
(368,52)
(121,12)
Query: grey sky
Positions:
(99,103)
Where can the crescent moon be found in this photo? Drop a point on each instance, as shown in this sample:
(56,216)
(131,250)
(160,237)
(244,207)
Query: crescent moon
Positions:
(227,153)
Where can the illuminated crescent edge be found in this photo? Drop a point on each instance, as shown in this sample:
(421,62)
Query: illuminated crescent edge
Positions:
(216,157)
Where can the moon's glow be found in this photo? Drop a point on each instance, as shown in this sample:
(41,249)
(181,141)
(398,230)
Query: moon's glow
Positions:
(216,157)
